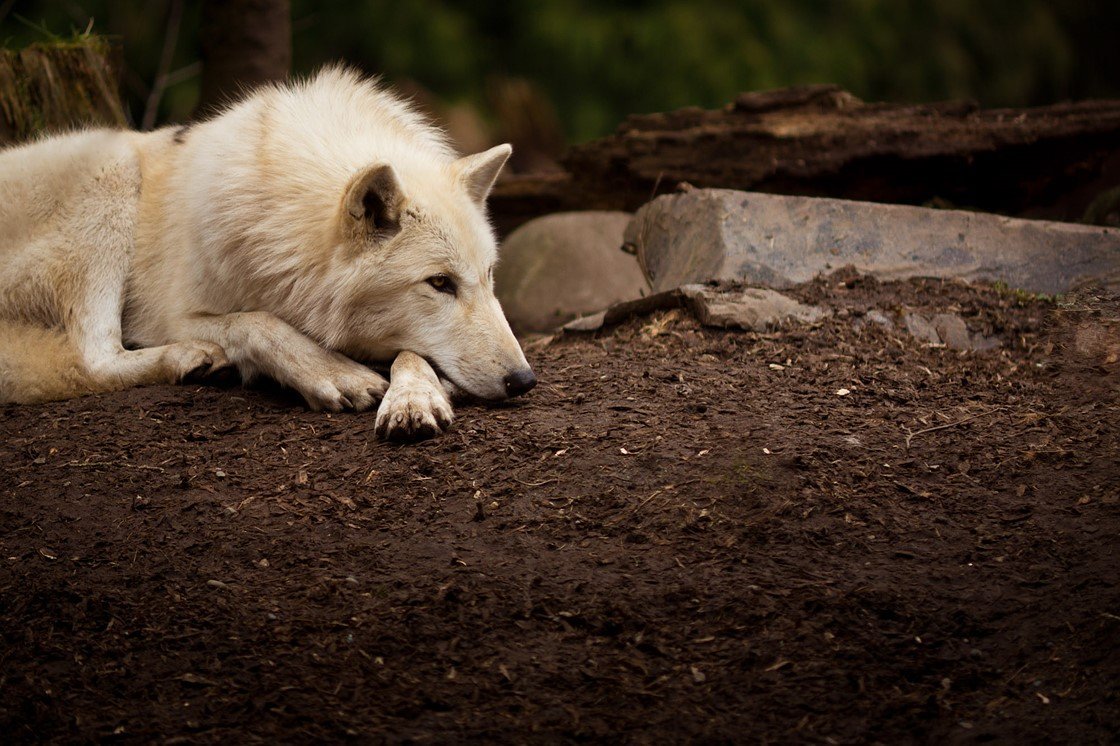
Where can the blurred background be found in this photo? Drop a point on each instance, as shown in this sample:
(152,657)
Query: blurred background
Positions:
(571,70)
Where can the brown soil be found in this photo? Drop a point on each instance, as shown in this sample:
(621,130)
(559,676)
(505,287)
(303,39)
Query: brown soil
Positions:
(670,539)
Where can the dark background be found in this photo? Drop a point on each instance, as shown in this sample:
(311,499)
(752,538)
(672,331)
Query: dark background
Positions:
(581,65)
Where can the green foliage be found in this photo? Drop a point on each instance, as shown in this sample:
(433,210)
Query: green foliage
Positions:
(1021,297)
(599,60)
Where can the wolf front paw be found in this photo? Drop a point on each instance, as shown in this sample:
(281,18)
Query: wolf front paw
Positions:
(194,360)
(413,410)
(345,384)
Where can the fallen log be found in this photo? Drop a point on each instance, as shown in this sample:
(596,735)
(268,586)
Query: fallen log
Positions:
(1047,162)
(51,87)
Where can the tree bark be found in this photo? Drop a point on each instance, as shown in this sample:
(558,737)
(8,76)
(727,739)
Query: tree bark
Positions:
(1047,162)
(52,87)
(245,43)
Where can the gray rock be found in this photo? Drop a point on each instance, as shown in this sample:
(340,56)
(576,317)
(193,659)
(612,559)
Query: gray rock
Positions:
(952,331)
(756,309)
(920,328)
(946,329)
(778,241)
(561,266)
(875,316)
(980,342)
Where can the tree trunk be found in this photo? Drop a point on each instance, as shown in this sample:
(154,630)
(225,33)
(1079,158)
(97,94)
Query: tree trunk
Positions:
(244,43)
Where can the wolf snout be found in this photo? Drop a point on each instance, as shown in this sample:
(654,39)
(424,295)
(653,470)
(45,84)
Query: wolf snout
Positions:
(519,382)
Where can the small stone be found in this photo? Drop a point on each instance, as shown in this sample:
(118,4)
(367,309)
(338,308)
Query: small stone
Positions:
(921,328)
(980,342)
(952,331)
(875,316)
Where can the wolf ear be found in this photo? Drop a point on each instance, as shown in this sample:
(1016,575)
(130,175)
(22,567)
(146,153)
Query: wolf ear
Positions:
(478,172)
(374,199)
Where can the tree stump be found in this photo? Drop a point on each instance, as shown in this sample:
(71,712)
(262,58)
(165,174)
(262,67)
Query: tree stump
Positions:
(57,86)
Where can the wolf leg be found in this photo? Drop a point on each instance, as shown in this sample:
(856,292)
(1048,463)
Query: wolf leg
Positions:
(95,333)
(93,315)
(66,341)
(258,342)
(416,405)
(112,369)
(85,357)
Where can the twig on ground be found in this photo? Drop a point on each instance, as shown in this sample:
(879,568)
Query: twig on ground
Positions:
(113,463)
(911,434)
(536,484)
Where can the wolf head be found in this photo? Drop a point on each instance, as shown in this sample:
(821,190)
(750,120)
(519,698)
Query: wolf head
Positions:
(422,256)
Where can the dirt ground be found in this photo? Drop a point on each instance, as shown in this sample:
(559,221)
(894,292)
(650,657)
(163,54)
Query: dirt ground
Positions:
(682,534)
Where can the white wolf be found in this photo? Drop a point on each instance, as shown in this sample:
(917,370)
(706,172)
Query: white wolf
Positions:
(302,229)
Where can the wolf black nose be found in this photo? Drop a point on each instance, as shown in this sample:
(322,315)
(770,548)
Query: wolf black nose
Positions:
(518,382)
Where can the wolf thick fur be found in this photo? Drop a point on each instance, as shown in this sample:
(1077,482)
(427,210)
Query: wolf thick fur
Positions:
(304,228)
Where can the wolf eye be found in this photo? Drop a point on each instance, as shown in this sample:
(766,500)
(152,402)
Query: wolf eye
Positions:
(442,283)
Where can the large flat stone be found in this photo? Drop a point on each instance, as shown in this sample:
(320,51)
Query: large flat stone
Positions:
(778,241)
(555,268)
